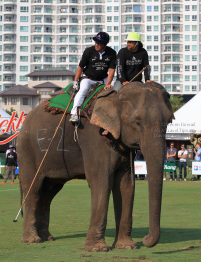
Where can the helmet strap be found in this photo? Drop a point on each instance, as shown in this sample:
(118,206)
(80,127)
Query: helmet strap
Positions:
(133,48)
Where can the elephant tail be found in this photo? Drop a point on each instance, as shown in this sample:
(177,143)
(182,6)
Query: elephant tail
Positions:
(21,196)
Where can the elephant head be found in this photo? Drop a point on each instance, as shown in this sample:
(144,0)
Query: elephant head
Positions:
(138,115)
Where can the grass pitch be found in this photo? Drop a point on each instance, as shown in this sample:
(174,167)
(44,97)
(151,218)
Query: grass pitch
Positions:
(70,214)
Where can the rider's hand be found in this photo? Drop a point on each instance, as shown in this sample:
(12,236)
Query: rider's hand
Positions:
(75,86)
(125,83)
(107,86)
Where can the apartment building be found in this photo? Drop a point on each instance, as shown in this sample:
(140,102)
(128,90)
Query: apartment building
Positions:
(36,34)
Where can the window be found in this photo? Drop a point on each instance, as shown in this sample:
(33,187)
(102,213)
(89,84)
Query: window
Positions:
(23,68)
(167,68)
(168,88)
(13,101)
(24,19)
(116,48)
(23,58)
(156,78)
(187,27)
(194,17)
(149,8)
(176,79)
(155,58)
(137,9)
(116,38)
(129,19)
(149,48)
(187,78)
(194,28)
(194,37)
(150,58)
(194,68)
(24,28)
(24,9)
(156,18)
(194,48)
(187,47)
(116,29)
(187,37)
(5,101)
(25,101)
(149,28)
(109,8)
(116,9)
(149,38)
(187,68)
(23,78)
(156,38)
(194,88)
(187,7)
(155,68)
(156,8)
(149,18)
(187,88)
(109,18)
(155,48)
(23,48)
(187,17)
(194,78)
(109,28)
(23,38)
(187,58)
(116,18)
(156,28)
(194,7)
(167,78)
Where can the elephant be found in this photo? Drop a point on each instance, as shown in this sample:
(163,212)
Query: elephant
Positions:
(135,117)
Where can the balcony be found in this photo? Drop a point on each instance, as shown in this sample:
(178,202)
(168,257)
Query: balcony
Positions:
(63,11)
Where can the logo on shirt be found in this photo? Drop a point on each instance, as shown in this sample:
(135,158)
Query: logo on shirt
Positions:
(94,59)
(107,59)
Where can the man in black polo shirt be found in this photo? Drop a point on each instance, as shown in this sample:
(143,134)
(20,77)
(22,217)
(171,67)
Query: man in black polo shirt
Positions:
(98,63)
(11,164)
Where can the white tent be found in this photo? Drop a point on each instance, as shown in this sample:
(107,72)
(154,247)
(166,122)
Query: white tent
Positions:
(187,120)
(3,115)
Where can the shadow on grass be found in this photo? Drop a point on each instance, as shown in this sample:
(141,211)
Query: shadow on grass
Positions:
(168,235)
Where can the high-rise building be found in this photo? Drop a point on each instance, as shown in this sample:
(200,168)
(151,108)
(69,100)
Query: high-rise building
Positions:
(35,34)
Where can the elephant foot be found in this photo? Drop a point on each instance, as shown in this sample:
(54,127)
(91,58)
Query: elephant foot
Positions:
(98,247)
(126,243)
(150,241)
(46,236)
(31,239)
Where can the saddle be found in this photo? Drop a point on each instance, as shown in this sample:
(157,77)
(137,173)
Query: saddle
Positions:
(57,105)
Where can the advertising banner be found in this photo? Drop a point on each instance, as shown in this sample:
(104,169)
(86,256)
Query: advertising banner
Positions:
(196,168)
(140,168)
(169,167)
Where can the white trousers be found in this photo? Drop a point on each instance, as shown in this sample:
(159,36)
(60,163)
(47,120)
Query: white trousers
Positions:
(80,96)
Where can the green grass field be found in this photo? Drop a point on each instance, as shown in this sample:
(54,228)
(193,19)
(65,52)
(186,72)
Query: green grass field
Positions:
(70,213)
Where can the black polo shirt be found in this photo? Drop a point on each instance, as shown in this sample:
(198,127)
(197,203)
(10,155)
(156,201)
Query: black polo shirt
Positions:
(94,67)
(129,64)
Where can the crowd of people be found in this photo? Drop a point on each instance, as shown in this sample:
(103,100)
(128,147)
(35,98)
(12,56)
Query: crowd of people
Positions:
(171,156)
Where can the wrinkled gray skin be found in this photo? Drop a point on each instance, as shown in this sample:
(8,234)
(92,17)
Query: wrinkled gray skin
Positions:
(137,115)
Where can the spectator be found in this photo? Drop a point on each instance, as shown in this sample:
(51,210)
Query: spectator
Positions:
(182,155)
(8,150)
(197,151)
(11,164)
(165,158)
(171,157)
(139,156)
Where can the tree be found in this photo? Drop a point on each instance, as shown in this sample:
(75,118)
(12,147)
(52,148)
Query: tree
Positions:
(11,110)
(176,102)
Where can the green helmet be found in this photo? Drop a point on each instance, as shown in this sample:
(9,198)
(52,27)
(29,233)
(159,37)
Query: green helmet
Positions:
(133,36)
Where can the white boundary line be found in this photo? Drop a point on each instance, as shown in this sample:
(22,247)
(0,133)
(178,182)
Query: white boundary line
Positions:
(10,189)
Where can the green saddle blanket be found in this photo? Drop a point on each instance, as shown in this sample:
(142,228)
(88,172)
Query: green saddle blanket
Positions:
(62,100)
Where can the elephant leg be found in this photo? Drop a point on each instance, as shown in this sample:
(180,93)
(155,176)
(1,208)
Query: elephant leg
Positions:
(100,192)
(43,212)
(123,196)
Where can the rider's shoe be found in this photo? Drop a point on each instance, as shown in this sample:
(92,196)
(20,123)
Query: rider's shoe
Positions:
(74,118)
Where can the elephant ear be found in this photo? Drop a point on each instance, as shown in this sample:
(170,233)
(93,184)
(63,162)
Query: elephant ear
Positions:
(105,113)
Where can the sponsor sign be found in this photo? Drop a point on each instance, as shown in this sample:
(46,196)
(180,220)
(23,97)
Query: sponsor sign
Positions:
(140,168)
(196,168)
(170,167)
(12,126)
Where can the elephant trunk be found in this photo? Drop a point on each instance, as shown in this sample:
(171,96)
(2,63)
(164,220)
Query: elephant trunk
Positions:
(154,153)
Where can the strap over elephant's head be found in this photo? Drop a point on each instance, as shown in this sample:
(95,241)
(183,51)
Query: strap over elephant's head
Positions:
(105,113)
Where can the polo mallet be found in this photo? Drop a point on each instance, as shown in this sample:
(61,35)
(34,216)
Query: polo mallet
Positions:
(15,220)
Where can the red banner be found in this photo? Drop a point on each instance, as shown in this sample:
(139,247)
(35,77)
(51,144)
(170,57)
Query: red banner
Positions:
(11,125)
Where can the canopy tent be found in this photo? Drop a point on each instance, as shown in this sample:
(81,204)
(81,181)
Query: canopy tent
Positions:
(3,115)
(187,120)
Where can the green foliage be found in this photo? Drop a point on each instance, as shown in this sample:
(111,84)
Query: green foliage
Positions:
(10,111)
(69,222)
(176,102)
